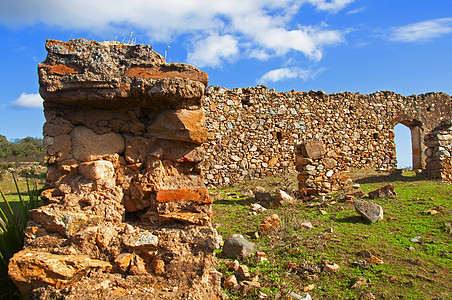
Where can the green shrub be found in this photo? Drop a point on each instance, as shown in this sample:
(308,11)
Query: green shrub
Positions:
(12,227)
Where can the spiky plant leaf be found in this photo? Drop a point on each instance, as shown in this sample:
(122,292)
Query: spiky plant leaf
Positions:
(12,233)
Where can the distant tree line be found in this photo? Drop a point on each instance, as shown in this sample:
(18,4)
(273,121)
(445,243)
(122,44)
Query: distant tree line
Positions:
(21,150)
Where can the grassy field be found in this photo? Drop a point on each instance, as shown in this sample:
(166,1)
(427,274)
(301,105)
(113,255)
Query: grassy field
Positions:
(9,188)
(411,270)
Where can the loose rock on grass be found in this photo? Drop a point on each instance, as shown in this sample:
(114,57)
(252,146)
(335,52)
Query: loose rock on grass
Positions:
(370,211)
(237,246)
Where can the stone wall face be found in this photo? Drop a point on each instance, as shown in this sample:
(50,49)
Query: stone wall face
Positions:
(127,203)
(253,132)
(439,143)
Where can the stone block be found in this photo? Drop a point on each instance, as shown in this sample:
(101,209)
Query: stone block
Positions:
(180,125)
(31,269)
(143,240)
(88,146)
(66,223)
(312,149)
(97,170)
(200,195)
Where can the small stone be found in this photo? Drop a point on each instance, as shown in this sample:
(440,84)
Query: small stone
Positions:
(247,193)
(137,266)
(230,282)
(282,199)
(269,224)
(411,248)
(142,241)
(416,239)
(299,297)
(237,246)
(308,288)
(123,261)
(243,272)
(235,158)
(387,191)
(370,211)
(375,260)
(358,282)
(249,287)
(261,256)
(233,265)
(306,225)
(158,267)
(356,186)
(261,195)
(361,263)
(328,268)
(261,295)
(256,207)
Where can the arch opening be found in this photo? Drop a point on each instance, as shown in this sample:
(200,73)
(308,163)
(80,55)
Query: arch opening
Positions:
(409,147)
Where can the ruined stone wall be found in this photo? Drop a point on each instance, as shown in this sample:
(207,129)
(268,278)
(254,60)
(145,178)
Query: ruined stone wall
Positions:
(253,131)
(439,143)
(127,215)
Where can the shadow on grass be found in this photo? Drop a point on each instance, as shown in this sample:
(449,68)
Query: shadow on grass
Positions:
(34,176)
(352,220)
(390,178)
(245,201)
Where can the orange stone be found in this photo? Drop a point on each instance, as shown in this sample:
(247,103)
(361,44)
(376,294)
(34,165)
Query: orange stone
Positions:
(159,73)
(200,195)
(59,69)
(158,267)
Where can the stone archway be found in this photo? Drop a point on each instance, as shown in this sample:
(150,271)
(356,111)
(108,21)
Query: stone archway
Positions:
(417,136)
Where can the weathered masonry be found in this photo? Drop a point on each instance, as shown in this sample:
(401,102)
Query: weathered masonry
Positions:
(127,214)
(253,132)
(132,142)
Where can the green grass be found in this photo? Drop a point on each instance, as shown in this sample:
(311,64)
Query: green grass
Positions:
(424,272)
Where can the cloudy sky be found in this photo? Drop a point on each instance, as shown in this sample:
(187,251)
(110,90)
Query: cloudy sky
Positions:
(331,45)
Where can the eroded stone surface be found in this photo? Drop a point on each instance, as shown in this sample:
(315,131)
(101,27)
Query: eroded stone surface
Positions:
(126,201)
(30,269)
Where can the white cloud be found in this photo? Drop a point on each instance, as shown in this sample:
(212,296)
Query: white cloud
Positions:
(262,28)
(332,6)
(259,54)
(421,31)
(28,101)
(356,11)
(285,73)
(212,50)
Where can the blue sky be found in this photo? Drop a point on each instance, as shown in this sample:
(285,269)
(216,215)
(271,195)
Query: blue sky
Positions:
(338,45)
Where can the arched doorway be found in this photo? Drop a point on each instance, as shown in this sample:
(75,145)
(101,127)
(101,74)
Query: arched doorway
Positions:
(402,138)
(409,138)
